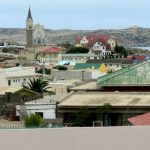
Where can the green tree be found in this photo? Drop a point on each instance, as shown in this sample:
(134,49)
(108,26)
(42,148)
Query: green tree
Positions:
(47,71)
(120,50)
(74,50)
(37,85)
(104,108)
(82,118)
(34,121)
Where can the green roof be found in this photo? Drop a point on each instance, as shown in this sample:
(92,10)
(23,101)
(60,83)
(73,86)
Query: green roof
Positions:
(132,75)
(86,66)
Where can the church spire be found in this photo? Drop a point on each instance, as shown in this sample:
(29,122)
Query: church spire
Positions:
(29,13)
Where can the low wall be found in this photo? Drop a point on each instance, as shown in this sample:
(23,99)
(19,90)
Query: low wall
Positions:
(98,138)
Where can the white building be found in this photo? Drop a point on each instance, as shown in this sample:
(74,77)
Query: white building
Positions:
(100,49)
(45,107)
(16,76)
(76,58)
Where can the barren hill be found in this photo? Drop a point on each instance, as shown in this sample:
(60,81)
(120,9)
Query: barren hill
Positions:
(130,37)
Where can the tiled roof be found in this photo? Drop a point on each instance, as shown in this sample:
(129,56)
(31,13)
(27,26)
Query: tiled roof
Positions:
(93,38)
(143,119)
(77,40)
(53,49)
(138,57)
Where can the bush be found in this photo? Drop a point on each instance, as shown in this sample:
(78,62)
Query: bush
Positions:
(62,68)
(75,50)
(34,121)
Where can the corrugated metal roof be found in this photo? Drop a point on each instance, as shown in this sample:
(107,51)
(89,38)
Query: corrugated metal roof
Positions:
(143,119)
(87,66)
(132,75)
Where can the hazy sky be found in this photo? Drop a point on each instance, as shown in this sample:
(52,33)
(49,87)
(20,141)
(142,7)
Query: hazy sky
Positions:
(76,14)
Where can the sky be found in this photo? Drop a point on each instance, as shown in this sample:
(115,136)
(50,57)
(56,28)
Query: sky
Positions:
(76,14)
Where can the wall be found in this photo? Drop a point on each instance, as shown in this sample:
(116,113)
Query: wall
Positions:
(96,74)
(49,110)
(98,138)
(70,74)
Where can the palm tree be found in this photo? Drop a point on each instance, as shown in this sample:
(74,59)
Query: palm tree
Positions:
(37,85)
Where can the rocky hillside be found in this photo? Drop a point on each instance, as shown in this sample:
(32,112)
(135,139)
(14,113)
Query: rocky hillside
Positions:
(130,37)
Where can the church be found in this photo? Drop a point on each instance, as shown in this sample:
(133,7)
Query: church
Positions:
(35,34)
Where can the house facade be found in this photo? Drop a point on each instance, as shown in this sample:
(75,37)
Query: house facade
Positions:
(76,58)
(101,45)
(49,55)
(110,108)
(45,107)
(16,76)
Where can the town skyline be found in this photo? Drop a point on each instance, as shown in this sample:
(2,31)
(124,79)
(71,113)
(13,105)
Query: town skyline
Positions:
(78,15)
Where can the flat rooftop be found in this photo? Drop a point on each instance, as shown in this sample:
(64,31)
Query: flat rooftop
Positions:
(101,98)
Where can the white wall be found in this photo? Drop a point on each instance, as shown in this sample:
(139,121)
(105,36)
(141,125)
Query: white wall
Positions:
(16,75)
(48,110)
(96,74)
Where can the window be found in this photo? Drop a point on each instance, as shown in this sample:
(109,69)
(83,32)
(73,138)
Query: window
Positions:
(40,114)
(9,82)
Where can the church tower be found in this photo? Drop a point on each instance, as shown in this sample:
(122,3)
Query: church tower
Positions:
(29,29)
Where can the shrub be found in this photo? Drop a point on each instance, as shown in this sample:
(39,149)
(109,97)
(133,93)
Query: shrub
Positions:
(34,121)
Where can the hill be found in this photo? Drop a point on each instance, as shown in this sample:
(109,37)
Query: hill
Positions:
(130,37)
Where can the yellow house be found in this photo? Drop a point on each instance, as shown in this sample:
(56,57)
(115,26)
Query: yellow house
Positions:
(103,68)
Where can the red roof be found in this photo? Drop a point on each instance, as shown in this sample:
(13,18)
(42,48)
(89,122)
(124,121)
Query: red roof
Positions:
(78,39)
(140,120)
(52,50)
(137,57)
(93,38)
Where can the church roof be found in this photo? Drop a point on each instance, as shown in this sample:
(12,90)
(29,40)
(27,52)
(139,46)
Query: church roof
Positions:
(29,14)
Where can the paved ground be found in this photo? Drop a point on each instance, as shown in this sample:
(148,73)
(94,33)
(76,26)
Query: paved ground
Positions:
(99,138)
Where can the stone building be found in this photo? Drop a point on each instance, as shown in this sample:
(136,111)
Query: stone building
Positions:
(35,34)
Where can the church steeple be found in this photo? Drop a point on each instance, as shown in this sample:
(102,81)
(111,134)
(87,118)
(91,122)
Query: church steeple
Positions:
(29,14)
(29,29)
